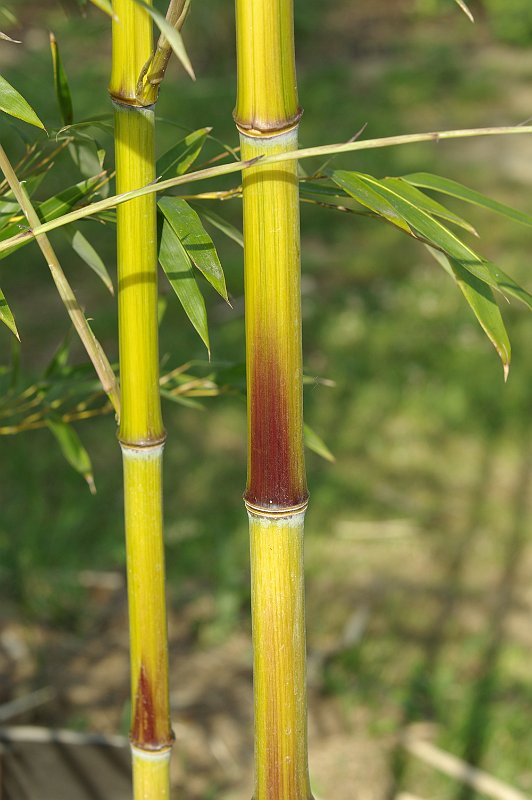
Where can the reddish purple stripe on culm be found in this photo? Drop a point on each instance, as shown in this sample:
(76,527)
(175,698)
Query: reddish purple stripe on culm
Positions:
(276,472)
(143,732)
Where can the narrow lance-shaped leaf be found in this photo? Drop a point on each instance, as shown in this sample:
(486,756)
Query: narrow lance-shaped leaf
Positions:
(72,449)
(6,315)
(173,36)
(14,104)
(354,184)
(452,188)
(481,300)
(316,444)
(62,90)
(222,225)
(465,9)
(7,38)
(105,6)
(88,254)
(178,269)
(182,155)
(443,239)
(421,200)
(195,239)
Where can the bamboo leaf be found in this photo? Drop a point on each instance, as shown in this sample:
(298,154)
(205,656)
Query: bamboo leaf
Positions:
(358,188)
(182,155)
(316,444)
(72,449)
(62,90)
(6,315)
(443,239)
(105,6)
(88,254)
(222,225)
(12,103)
(425,180)
(173,36)
(197,242)
(481,300)
(421,200)
(465,9)
(7,38)
(177,266)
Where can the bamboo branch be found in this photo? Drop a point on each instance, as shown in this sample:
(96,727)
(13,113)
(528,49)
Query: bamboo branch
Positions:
(239,166)
(90,342)
(456,768)
(154,70)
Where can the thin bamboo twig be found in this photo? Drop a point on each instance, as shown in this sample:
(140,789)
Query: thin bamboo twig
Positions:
(455,767)
(240,166)
(89,340)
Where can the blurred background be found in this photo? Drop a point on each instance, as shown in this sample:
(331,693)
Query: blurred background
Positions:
(419,557)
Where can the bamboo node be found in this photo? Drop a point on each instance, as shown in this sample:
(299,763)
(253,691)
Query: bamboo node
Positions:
(275,512)
(259,130)
(129,103)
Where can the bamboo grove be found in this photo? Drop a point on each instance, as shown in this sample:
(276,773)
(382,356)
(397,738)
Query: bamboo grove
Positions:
(267,116)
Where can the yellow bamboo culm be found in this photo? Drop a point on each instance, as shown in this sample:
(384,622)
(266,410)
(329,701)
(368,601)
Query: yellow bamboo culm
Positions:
(267,115)
(141,431)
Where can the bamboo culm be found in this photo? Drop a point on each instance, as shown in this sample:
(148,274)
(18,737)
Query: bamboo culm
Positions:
(267,115)
(141,432)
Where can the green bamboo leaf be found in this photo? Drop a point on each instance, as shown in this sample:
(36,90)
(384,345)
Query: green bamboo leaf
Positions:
(447,186)
(316,444)
(88,254)
(72,449)
(443,239)
(465,9)
(12,103)
(482,302)
(354,185)
(173,36)
(182,155)
(105,6)
(6,315)
(421,200)
(197,242)
(62,90)
(177,266)
(222,225)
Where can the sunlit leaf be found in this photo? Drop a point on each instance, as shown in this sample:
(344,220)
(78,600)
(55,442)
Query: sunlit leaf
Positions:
(62,90)
(358,188)
(6,315)
(72,449)
(316,444)
(14,104)
(177,266)
(222,225)
(182,155)
(173,36)
(88,254)
(105,6)
(197,242)
(413,195)
(7,38)
(465,9)
(425,180)
(440,237)
(481,300)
